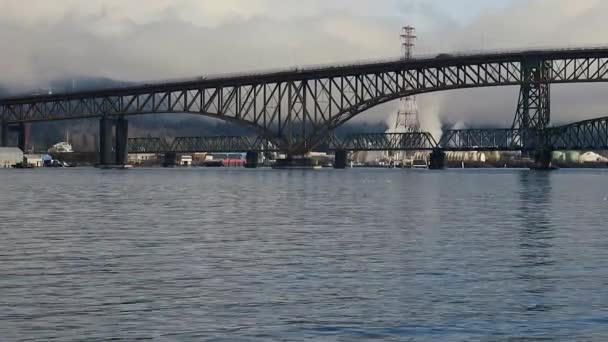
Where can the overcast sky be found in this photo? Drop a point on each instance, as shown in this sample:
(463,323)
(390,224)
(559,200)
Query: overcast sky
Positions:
(41,40)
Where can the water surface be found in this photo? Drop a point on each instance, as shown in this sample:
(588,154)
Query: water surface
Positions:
(259,255)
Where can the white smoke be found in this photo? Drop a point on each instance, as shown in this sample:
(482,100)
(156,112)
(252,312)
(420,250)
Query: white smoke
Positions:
(430,120)
(429,109)
(459,125)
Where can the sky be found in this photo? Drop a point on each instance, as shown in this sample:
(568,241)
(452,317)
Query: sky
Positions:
(136,40)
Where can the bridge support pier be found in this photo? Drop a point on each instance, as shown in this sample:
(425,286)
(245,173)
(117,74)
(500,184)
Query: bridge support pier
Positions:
(3,134)
(543,160)
(113,148)
(252,159)
(122,137)
(23,136)
(341,159)
(170,159)
(106,126)
(437,160)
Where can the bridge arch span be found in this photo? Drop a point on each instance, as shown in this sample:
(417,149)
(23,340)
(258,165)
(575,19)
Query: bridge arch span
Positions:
(299,106)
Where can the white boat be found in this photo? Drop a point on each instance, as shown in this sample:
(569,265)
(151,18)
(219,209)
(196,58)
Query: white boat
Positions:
(62,147)
(420,164)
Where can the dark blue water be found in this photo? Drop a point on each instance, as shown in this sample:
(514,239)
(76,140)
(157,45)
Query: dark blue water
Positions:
(240,255)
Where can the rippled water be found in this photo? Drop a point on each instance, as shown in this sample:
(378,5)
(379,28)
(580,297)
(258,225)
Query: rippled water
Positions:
(257,255)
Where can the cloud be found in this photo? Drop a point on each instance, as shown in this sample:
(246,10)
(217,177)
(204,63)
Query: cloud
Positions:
(140,40)
(526,24)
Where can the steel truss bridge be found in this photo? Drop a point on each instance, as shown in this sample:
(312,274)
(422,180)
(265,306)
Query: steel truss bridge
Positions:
(226,144)
(297,109)
(218,144)
(579,136)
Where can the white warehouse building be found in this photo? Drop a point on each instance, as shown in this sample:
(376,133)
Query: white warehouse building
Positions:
(10,156)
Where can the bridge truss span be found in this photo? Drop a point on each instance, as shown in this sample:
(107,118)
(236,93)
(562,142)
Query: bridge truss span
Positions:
(214,144)
(584,135)
(482,139)
(297,109)
(416,141)
(579,136)
(419,141)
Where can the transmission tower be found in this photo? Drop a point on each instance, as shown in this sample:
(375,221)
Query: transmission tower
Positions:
(407,117)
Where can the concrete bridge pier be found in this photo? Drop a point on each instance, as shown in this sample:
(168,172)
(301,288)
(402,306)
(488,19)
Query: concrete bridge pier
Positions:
(341,160)
(3,134)
(437,160)
(543,160)
(113,142)
(23,131)
(122,138)
(170,159)
(252,159)
(106,126)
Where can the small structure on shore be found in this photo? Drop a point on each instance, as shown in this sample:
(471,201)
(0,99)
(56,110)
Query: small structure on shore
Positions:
(10,156)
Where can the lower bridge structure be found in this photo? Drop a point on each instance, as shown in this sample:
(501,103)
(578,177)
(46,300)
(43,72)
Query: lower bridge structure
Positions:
(579,136)
(211,144)
(421,141)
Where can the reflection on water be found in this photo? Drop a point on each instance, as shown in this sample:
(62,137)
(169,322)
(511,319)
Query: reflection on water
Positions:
(536,243)
(257,255)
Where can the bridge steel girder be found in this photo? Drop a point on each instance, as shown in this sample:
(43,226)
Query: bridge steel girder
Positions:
(482,139)
(580,136)
(584,135)
(418,141)
(421,141)
(296,109)
(217,144)
(148,145)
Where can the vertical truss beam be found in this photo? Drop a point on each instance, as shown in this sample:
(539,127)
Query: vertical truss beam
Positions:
(534,106)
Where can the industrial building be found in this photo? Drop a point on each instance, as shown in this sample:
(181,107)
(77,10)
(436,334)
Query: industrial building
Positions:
(10,156)
(578,157)
(184,160)
(34,160)
(143,158)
